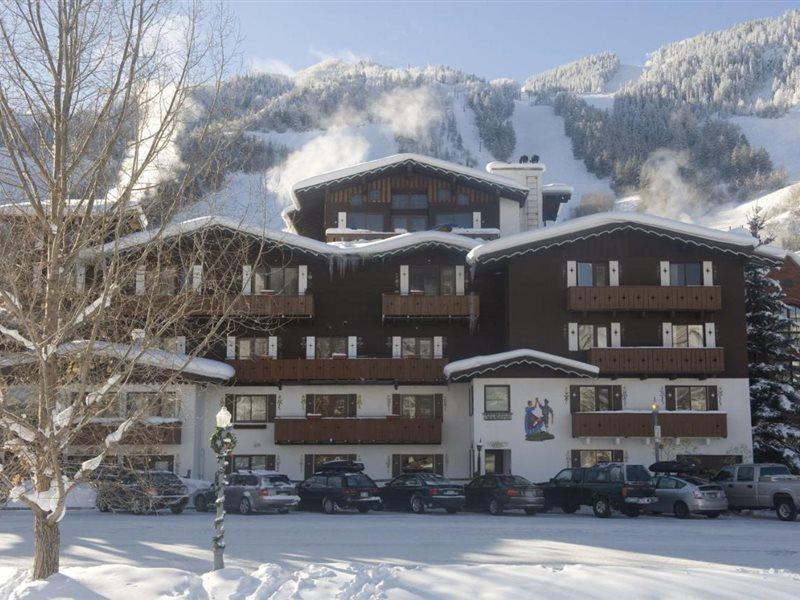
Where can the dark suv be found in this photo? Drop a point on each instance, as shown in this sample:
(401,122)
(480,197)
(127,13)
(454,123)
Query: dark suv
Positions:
(339,485)
(142,492)
(497,493)
(606,486)
(422,490)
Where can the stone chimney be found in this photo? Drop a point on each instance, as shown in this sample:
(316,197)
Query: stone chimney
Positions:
(530,175)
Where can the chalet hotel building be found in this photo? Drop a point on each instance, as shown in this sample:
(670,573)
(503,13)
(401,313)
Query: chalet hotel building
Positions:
(421,312)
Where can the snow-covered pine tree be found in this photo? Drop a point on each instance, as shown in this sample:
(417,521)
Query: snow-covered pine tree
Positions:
(774,402)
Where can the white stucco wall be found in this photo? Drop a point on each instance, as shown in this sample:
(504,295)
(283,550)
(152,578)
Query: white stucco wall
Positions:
(540,460)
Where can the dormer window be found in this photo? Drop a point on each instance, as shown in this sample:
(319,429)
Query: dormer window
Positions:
(410,201)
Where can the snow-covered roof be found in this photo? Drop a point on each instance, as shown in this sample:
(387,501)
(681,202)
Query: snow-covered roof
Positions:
(478,365)
(557,188)
(507,185)
(147,357)
(371,248)
(603,223)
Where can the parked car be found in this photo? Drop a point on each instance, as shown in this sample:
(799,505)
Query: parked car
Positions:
(761,486)
(339,485)
(682,493)
(605,487)
(259,491)
(498,493)
(419,491)
(142,492)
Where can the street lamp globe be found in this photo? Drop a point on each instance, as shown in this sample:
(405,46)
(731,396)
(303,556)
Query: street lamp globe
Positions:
(223,418)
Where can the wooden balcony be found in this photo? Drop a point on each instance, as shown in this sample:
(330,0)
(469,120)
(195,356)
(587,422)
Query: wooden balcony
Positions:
(627,424)
(645,298)
(419,306)
(139,434)
(266,305)
(403,370)
(643,361)
(386,430)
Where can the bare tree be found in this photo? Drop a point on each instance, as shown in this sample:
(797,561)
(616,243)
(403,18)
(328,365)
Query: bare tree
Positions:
(92,96)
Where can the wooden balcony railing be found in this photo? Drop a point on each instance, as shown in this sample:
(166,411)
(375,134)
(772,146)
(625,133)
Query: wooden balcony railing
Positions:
(645,297)
(406,370)
(387,430)
(658,361)
(266,305)
(673,424)
(141,433)
(395,305)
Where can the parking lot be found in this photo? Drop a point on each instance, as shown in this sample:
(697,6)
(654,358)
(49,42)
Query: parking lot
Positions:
(755,541)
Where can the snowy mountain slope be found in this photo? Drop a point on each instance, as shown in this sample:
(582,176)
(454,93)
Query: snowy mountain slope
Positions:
(779,136)
(540,131)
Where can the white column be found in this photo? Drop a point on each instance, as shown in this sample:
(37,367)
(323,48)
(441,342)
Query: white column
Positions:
(459,280)
(247,279)
(708,272)
(664,271)
(613,273)
(404,285)
(302,280)
(572,273)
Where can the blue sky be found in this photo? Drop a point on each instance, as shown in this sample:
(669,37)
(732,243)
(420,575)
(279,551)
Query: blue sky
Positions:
(490,39)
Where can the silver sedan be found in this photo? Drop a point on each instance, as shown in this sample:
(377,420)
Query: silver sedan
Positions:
(684,495)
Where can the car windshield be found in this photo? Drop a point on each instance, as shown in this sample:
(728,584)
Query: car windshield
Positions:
(637,473)
(276,479)
(776,470)
(359,480)
(433,478)
(513,480)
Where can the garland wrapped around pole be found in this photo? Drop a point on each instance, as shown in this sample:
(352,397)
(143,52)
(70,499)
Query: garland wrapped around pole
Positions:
(222,442)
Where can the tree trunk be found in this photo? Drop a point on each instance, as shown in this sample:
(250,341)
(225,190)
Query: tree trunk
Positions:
(47,545)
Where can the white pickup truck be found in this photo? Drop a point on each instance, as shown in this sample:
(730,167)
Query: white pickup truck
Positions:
(760,486)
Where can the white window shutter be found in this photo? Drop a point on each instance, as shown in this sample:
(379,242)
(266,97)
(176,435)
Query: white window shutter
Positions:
(311,347)
(572,333)
(80,277)
(141,271)
(247,279)
(613,273)
(708,272)
(404,280)
(302,280)
(272,346)
(664,271)
(711,335)
(666,334)
(180,344)
(572,273)
(616,335)
(476,220)
(352,346)
(197,278)
(396,351)
(459,280)
(438,346)
(230,347)
(341,221)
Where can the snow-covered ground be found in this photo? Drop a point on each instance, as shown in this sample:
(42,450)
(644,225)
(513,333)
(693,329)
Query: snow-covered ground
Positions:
(400,555)
(540,131)
(779,136)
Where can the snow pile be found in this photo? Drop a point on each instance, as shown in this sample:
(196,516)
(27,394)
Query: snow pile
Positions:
(361,581)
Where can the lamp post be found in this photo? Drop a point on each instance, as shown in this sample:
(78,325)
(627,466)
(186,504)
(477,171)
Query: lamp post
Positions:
(656,431)
(222,442)
(479,447)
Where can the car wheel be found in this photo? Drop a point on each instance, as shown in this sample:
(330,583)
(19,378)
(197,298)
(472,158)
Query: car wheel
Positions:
(570,509)
(786,509)
(363,509)
(283,511)
(631,511)
(494,507)
(201,504)
(176,510)
(417,505)
(712,515)
(530,511)
(244,506)
(451,510)
(681,510)
(601,508)
(328,506)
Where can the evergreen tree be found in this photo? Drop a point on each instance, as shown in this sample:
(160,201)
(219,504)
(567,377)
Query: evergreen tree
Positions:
(774,402)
